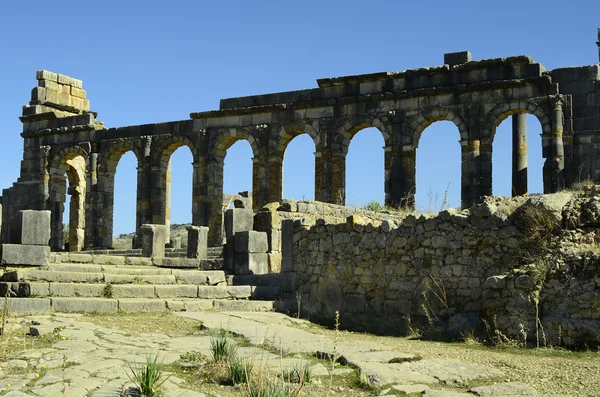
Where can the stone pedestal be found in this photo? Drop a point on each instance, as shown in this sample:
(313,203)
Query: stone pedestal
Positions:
(197,242)
(154,238)
(30,227)
(24,255)
(251,252)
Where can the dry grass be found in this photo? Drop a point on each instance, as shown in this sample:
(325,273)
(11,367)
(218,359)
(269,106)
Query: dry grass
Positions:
(152,322)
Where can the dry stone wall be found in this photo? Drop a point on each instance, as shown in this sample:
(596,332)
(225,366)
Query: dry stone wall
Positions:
(454,270)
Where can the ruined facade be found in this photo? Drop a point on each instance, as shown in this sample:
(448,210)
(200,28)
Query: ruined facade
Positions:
(65,144)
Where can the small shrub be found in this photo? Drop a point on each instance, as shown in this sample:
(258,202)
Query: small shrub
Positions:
(270,388)
(364,382)
(148,377)
(193,357)
(222,347)
(536,224)
(239,371)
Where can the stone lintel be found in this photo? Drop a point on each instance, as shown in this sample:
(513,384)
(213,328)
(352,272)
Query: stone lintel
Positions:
(457,58)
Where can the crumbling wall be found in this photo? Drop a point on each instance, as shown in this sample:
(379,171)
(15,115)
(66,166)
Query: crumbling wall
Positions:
(456,269)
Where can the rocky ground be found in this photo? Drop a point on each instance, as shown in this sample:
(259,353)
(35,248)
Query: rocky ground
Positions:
(91,355)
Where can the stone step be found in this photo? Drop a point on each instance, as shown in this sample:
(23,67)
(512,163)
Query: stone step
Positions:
(60,273)
(213,262)
(105,305)
(107,290)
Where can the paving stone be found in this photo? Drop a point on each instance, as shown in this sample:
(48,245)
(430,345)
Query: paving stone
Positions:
(17,394)
(319,370)
(43,329)
(176,291)
(455,371)
(411,389)
(444,393)
(504,390)
(85,305)
(385,374)
(244,306)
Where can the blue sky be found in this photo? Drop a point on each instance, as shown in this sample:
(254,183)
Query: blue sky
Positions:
(154,61)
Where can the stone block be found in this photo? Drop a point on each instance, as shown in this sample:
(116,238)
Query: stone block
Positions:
(132,291)
(210,292)
(30,227)
(142,305)
(197,242)
(84,305)
(239,291)
(243,305)
(137,261)
(176,291)
(154,238)
(287,244)
(29,305)
(261,292)
(251,263)
(76,289)
(457,58)
(109,260)
(178,263)
(266,220)
(176,242)
(25,255)
(275,262)
(251,242)
(238,220)
(81,258)
(46,75)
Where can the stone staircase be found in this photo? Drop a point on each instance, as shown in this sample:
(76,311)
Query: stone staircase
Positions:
(96,282)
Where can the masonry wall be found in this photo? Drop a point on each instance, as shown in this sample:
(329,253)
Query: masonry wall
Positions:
(452,271)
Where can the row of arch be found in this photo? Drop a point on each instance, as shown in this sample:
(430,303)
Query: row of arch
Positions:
(71,162)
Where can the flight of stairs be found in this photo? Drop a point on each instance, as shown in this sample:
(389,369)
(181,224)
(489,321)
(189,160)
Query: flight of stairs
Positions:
(96,282)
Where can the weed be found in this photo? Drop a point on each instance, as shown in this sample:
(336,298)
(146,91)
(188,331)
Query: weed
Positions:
(239,370)
(193,357)
(536,224)
(270,388)
(222,347)
(364,381)
(374,206)
(148,377)
(137,280)
(298,374)
(107,291)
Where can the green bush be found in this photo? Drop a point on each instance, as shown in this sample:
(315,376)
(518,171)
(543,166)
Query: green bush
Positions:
(147,377)
(239,370)
(222,347)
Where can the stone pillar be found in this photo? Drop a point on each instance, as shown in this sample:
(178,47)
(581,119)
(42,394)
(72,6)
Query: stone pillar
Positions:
(154,238)
(476,171)
(260,181)
(558,150)
(251,252)
(275,179)
(519,154)
(287,245)
(91,203)
(387,174)
(58,195)
(200,201)
(236,220)
(212,201)
(330,177)
(197,242)
(145,201)
(409,171)
(168,200)
(76,218)
(267,220)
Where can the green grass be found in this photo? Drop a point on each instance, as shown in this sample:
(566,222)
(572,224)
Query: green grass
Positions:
(239,371)
(222,347)
(148,377)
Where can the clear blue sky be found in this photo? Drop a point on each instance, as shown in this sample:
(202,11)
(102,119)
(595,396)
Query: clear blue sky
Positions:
(154,61)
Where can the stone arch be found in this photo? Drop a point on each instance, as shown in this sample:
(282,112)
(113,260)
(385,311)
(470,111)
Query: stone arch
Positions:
(419,122)
(165,147)
(68,163)
(292,130)
(227,137)
(351,127)
(110,156)
(501,111)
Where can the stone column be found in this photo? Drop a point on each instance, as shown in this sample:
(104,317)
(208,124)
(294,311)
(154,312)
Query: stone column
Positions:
(409,170)
(213,200)
(476,178)
(260,181)
(519,154)
(330,177)
(91,215)
(387,174)
(275,193)
(558,150)
(145,202)
(168,201)
(200,203)
(58,195)
(338,178)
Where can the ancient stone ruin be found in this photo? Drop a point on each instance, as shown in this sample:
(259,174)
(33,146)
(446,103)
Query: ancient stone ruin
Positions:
(391,269)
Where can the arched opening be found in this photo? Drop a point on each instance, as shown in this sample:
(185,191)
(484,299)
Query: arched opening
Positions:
(365,169)
(438,168)
(124,210)
(237,168)
(299,169)
(517,162)
(68,227)
(178,188)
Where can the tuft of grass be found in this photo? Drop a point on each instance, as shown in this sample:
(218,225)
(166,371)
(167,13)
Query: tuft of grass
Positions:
(222,347)
(239,371)
(270,388)
(374,206)
(148,377)
(536,224)
(298,374)
(193,357)
(364,382)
